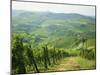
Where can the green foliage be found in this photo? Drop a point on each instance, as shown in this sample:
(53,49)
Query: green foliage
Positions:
(18,62)
(88,53)
(74,52)
(40,40)
(32,58)
(25,58)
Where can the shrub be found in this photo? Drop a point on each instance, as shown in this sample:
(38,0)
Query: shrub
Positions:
(88,53)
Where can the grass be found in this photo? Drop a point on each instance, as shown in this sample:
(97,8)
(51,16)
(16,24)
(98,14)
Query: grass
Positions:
(86,64)
(73,63)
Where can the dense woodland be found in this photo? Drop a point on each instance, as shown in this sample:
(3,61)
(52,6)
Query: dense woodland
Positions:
(43,40)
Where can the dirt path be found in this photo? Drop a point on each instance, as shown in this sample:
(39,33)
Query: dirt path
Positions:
(68,63)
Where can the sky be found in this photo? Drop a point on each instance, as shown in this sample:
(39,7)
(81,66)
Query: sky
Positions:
(57,8)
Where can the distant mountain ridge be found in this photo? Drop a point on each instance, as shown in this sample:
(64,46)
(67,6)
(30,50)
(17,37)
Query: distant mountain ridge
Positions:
(19,12)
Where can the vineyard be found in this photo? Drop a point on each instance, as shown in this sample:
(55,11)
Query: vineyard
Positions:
(27,59)
(51,42)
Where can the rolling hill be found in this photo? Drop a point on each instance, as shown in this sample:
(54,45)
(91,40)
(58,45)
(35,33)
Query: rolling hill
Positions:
(60,29)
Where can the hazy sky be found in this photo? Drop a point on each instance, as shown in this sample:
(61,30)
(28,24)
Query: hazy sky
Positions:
(58,8)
